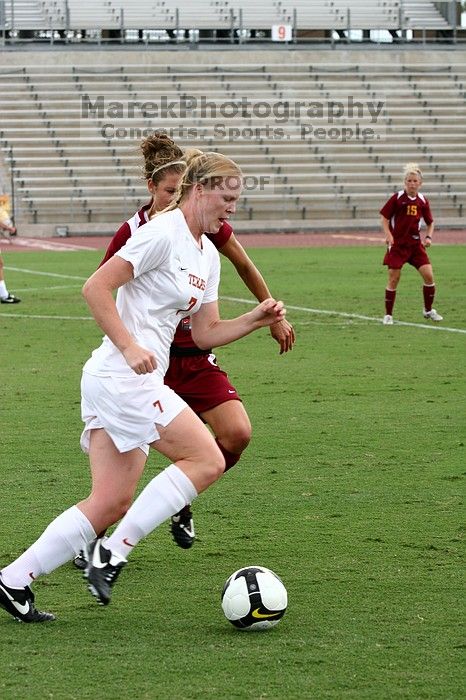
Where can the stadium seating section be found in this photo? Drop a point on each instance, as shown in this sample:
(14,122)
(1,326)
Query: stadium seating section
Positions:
(77,164)
(64,156)
(224,14)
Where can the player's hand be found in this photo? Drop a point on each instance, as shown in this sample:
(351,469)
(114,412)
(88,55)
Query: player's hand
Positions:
(389,241)
(140,360)
(267,312)
(427,242)
(283,333)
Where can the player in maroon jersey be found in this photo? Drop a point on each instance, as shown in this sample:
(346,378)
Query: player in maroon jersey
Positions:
(194,373)
(401,223)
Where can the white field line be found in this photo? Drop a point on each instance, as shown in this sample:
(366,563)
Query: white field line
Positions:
(302,309)
(377,239)
(343,314)
(48,317)
(45,274)
(353,237)
(48,245)
(48,289)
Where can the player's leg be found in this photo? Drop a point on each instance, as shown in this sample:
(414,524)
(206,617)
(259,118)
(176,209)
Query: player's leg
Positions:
(60,541)
(114,480)
(207,389)
(5,296)
(232,428)
(390,294)
(196,463)
(115,477)
(428,292)
(117,461)
(231,425)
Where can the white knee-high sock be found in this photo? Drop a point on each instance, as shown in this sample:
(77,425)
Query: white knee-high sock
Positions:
(60,542)
(164,496)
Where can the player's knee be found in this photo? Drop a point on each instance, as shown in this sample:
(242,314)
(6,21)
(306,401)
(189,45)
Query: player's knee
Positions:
(240,440)
(237,437)
(121,506)
(214,465)
(115,510)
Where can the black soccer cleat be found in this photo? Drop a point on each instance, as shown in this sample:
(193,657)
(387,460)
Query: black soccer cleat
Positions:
(182,528)
(19,602)
(102,571)
(80,561)
(10,299)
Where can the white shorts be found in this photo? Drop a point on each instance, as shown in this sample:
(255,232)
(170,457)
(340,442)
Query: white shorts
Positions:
(128,408)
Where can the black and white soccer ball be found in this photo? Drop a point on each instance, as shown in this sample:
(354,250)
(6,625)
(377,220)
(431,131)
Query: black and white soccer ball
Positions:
(254,598)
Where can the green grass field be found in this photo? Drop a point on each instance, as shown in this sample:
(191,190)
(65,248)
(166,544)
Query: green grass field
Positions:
(351,490)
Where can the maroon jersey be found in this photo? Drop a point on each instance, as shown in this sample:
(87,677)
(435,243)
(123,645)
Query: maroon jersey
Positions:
(183,338)
(404,214)
(125,231)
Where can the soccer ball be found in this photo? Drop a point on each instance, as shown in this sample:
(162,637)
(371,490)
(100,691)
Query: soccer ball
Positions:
(254,598)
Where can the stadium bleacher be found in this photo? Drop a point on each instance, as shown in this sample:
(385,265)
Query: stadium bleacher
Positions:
(69,15)
(321,137)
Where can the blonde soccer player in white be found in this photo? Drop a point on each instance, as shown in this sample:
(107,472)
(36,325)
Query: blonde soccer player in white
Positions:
(125,405)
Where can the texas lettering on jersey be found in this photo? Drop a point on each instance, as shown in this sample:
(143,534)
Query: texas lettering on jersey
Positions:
(197,282)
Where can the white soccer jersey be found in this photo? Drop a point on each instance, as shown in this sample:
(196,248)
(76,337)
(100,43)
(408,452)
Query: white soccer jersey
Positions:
(172,277)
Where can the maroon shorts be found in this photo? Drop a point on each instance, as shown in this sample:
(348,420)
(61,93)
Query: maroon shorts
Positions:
(200,382)
(414,254)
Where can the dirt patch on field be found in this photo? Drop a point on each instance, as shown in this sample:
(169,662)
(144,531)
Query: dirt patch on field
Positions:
(248,240)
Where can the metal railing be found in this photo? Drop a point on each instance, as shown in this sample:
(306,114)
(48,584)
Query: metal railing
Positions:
(59,24)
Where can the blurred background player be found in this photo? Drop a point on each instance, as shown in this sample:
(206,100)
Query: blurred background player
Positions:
(6,223)
(5,296)
(401,220)
(194,373)
(6,227)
